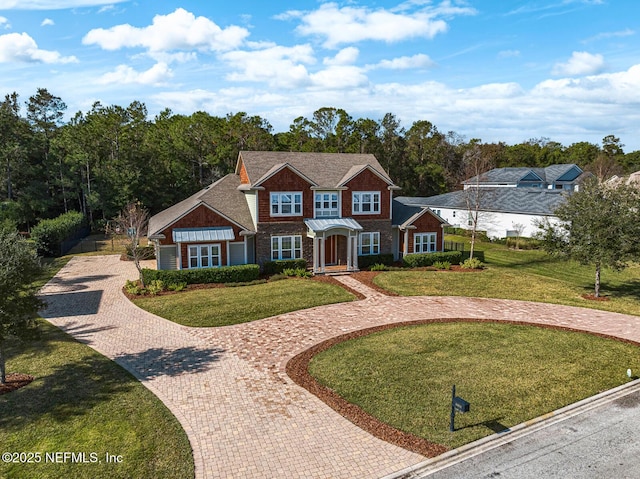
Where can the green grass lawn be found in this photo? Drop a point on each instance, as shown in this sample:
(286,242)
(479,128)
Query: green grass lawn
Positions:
(81,401)
(509,374)
(233,305)
(524,275)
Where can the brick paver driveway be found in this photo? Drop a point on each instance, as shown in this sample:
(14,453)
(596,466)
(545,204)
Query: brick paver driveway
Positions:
(227,386)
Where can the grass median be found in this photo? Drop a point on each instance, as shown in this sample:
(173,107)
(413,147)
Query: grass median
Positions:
(233,305)
(509,374)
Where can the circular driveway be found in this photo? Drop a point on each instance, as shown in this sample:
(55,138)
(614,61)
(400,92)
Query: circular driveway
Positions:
(227,386)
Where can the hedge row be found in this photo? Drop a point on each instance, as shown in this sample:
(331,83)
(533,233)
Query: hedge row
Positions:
(278,266)
(225,274)
(365,262)
(427,259)
(49,234)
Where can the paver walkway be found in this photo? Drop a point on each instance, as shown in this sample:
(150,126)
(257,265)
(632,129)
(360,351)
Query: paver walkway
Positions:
(228,387)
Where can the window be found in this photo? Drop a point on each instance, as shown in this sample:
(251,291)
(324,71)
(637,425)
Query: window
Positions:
(204,256)
(424,242)
(286,247)
(366,202)
(286,204)
(326,203)
(369,244)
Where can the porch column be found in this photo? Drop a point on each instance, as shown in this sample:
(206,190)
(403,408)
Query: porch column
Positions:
(405,249)
(322,258)
(316,247)
(355,252)
(349,252)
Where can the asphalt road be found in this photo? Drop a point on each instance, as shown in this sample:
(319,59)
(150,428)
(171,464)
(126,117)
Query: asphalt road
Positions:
(599,444)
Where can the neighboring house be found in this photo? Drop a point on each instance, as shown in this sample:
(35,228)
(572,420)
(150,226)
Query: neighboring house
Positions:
(328,208)
(512,200)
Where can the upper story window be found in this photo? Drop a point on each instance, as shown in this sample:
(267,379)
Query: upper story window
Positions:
(365,202)
(286,204)
(326,204)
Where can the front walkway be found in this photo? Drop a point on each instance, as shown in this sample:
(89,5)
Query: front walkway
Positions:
(228,387)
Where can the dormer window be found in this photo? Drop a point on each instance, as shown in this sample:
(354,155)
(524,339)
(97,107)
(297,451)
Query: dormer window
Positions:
(286,204)
(326,204)
(366,202)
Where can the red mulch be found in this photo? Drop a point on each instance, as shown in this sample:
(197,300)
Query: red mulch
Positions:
(592,297)
(15,381)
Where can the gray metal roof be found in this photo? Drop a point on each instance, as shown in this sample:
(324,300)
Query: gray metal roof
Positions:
(325,224)
(222,196)
(198,235)
(326,170)
(532,201)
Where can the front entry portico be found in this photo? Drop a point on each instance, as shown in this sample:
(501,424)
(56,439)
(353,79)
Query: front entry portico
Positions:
(335,243)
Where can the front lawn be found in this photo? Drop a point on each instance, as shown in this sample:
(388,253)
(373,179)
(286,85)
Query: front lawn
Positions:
(232,305)
(523,275)
(509,374)
(81,402)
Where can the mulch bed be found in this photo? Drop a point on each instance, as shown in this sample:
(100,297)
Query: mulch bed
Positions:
(15,381)
(592,297)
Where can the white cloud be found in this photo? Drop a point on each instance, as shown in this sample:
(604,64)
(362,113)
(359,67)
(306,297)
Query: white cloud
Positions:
(20,47)
(4,23)
(406,63)
(346,56)
(580,63)
(156,75)
(619,34)
(340,77)
(339,25)
(180,30)
(509,53)
(277,65)
(47,22)
(52,4)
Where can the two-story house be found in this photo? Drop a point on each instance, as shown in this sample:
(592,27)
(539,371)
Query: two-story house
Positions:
(328,208)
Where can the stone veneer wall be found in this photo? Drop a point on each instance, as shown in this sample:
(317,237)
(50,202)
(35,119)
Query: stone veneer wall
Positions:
(267,230)
(382,226)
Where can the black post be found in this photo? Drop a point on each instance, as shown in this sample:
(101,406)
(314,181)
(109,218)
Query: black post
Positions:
(453,409)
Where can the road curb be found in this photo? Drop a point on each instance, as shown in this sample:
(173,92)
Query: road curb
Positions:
(472,449)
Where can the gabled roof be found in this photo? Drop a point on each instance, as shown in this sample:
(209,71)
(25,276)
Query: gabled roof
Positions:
(514,175)
(531,201)
(324,170)
(222,196)
(404,213)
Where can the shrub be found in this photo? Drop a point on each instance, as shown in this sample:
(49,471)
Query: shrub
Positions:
(523,243)
(442,265)
(278,266)
(296,272)
(49,234)
(133,287)
(177,286)
(223,274)
(378,267)
(156,286)
(473,263)
(428,259)
(367,261)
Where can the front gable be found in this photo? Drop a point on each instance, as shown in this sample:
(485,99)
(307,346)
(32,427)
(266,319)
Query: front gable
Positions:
(367,180)
(570,175)
(201,216)
(285,179)
(531,176)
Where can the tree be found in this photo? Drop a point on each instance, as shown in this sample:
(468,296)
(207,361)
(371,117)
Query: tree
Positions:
(475,165)
(132,221)
(19,266)
(598,226)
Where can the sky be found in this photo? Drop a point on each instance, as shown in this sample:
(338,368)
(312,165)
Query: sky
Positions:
(509,70)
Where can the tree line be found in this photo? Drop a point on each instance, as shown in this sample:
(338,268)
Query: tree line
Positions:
(100,160)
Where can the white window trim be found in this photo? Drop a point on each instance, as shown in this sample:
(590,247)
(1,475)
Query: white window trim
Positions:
(374,242)
(372,203)
(210,256)
(279,249)
(317,210)
(417,240)
(279,195)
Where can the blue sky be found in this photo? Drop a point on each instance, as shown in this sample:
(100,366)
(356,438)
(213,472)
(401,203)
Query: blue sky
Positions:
(567,70)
